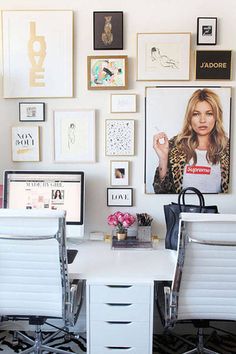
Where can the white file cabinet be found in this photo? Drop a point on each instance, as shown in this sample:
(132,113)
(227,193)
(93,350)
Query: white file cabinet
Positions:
(119,318)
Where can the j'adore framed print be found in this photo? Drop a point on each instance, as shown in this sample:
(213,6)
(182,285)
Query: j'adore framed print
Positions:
(31,111)
(107,30)
(120,197)
(163,56)
(74,135)
(119,173)
(25,143)
(213,64)
(206,30)
(108,72)
(123,103)
(119,137)
(37,57)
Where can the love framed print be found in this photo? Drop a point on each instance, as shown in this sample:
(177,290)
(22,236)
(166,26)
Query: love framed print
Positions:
(206,30)
(213,64)
(120,197)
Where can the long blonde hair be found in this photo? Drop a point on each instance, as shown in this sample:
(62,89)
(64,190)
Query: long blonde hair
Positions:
(187,140)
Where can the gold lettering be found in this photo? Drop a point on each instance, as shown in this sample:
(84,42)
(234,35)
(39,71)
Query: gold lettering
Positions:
(211,65)
(37,54)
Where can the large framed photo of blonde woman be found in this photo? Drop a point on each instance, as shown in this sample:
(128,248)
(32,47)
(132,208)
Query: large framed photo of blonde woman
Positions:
(187,139)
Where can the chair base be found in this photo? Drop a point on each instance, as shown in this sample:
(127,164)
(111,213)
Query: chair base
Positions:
(203,351)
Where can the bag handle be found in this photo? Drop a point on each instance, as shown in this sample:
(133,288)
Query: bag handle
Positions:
(196,191)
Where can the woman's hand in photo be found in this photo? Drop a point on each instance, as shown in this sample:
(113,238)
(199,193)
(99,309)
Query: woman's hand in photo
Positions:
(161,145)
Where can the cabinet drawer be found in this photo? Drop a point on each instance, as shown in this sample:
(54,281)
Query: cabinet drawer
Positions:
(120,312)
(110,334)
(119,350)
(120,293)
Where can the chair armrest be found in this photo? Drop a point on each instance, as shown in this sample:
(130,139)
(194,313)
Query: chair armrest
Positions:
(167,306)
(76,298)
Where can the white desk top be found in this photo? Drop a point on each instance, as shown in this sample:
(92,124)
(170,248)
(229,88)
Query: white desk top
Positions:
(97,262)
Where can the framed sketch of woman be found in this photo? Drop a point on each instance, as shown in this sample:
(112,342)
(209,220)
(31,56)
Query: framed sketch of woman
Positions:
(187,139)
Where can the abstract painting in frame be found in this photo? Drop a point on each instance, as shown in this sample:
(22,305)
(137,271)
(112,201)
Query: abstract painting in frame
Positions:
(119,137)
(163,56)
(37,57)
(108,72)
(74,135)
(25,143)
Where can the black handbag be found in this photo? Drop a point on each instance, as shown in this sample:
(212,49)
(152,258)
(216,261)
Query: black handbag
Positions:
(173,210)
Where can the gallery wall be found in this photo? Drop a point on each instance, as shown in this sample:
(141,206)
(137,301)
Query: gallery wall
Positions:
(157,16)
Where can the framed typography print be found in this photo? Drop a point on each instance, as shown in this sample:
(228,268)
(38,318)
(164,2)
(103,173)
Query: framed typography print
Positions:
(37,57)
(108,72)
(213,64)
(187,139)
(120,197)
(107,30)
(119,137)
(163,56)
(119,173)
(122,103)
(74,135)
(25,143)
(31,111)
(206,30)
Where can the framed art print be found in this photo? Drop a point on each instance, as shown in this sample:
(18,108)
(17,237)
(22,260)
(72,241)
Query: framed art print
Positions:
(206,30)
(119,173)
(213,64)
(31,111)
(108,72)
(74,135)
(122,103)
(120,197)
(119,137)
(163,56)
(25,143)
(37,57)
(107,30)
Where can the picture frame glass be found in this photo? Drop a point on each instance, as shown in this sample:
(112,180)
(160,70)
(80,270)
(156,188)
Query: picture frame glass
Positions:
(119,137)
(31,112)
(119,173)
(25,143)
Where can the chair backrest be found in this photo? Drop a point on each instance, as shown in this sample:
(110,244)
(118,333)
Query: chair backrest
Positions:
(33,263)
(204,284)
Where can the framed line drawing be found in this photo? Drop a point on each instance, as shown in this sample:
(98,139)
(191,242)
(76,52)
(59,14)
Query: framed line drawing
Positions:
(119,173)
(108,72)
(213,64)
(25,143)
(119,137)
(122,103)
(163,56)
(120,197)
(176,114)
(107,30)
(42,65)
(206,30)
(74,135)
(31,111)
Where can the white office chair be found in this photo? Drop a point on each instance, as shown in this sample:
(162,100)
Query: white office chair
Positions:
(34,281)
(204,283)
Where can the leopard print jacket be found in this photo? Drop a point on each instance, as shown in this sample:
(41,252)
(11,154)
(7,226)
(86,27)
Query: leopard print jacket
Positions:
(172,182)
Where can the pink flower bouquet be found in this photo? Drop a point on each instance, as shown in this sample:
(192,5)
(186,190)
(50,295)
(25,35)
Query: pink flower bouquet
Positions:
(121,221)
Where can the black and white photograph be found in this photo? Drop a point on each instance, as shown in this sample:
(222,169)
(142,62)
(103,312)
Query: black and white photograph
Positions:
(31,111)
(207,30)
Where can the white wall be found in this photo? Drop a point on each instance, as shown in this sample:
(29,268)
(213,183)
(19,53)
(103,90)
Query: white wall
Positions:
(139,16)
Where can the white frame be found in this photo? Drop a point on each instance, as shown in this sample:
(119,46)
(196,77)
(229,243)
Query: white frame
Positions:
(122,196)
(76,144)
(119,137)
(31,111)
(163,56)
(29,39)
(25,143)
(210,39)
(119,181)
(123,103)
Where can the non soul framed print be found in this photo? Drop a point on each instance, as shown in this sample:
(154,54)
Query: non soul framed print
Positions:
(120,197)
(25,143)
(122,103)
(213,64)
(163,56)
(31,111)
(74,135)
(187,139)
(119,173)
(206,30)
(37,57)
(107,30)
(119,137)
(108,72)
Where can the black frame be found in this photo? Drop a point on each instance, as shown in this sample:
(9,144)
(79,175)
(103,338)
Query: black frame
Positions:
(199,27)
(130,204)
(31,103)
(213,64)
(116,26)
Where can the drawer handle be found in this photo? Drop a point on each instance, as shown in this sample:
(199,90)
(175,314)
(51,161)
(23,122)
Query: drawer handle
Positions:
(119,286)
(115,304)
(119,348)
(119,322)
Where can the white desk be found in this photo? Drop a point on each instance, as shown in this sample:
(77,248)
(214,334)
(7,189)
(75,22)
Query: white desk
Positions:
(119,298)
